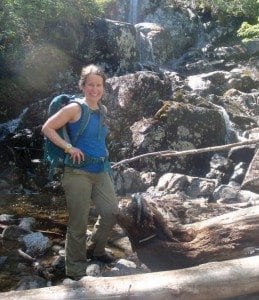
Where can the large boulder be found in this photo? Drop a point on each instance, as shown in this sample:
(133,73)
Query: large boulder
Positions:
(53,64)
(130,98)
(178,126)
(111,43)
(182,28)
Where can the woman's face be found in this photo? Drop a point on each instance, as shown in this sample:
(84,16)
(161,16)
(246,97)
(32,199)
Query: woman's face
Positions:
(93,88)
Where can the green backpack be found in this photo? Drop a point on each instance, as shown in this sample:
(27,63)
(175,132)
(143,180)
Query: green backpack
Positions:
(55,156)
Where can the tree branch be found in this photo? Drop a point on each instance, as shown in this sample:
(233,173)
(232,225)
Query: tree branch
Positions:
(170,153)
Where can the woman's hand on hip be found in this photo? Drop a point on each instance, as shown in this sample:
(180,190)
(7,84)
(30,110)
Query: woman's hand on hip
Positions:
(76,155)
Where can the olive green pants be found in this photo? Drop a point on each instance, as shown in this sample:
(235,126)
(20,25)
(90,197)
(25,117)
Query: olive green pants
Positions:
(80,188)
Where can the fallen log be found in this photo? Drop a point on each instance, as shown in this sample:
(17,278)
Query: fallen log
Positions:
(172,153)
(217,280)
(165,245)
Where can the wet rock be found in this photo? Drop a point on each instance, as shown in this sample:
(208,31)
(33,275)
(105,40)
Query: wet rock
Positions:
(26,223)
(7,219)
(179,24)
(124,267)
(56,249)
(178,126)
(148,178)
(2,260)
(248,196)
(160,39)
(252,46)
(193,187)
(241,154)
(36,243)
(129,181)
(171,182)
(244,84)
(123,243)
(14,232)
(4,185)
(226,194)
(221,163)
(93,270)
(221,168)
(126,263)
(239,172)
(200,187)
(230,52)
(211,83)
(58,266)
(31,282)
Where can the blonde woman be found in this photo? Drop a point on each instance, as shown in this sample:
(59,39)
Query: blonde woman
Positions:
(89,182)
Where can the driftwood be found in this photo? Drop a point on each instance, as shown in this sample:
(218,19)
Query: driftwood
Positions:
(164,245)
(160,244)
(37,267)
(218,280)
(171,153)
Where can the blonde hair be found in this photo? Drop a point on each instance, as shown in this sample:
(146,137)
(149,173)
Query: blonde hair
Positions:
(90,69)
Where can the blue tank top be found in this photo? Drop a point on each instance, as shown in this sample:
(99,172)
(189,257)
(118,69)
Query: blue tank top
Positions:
(92,140)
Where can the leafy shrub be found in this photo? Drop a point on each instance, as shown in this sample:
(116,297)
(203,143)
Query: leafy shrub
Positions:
(22,23)
(103,4)
(247,9)
(247,31)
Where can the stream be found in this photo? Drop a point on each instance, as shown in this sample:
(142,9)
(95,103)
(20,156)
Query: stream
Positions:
(50,215)
(51,218)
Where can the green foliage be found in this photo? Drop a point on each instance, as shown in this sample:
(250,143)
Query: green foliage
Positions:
(247,9)
(247,31)
(106,5)
(23,22)
(103,4)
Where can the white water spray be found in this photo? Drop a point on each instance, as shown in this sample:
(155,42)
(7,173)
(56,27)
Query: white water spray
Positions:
(133,12)
(11,126)
(146,54)
(230,130)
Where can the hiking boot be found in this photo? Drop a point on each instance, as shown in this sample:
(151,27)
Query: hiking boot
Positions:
(105,258)
(90,253)
(76,277)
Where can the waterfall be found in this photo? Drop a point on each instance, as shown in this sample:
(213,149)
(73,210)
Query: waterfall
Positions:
(228,124)
(133,11)
(196,82)
(144,44)
(146,54)
(230,131)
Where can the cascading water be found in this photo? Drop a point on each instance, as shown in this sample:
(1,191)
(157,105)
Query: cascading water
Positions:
(10,126)
(228,124)
(145,47)
(146,54)
(133,12)
(231,133)
(197,82)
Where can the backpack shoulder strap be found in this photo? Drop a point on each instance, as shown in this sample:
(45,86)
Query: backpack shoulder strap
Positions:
(84,119)
(103,111)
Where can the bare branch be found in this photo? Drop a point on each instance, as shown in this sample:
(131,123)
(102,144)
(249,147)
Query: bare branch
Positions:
(170,153)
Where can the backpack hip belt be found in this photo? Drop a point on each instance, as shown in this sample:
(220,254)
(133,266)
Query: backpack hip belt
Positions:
(88,160)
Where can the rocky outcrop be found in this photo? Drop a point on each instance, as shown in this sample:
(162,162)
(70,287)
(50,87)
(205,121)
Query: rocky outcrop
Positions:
(177,126)
(155,43)
(206,97)
(181,28)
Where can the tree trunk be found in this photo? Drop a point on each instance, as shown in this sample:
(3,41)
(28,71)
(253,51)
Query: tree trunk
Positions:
(163,245)
(218,280)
